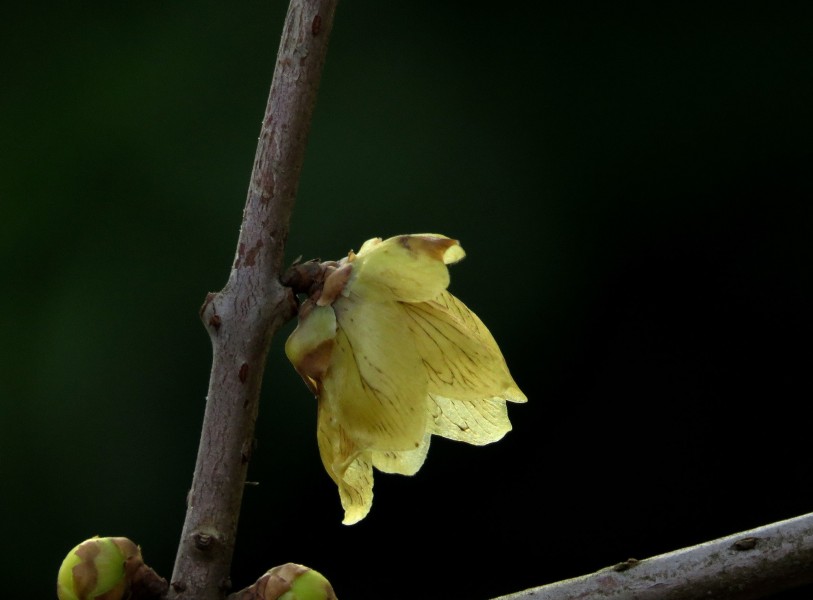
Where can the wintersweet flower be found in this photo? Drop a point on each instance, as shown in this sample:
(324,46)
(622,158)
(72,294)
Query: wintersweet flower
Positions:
(393,358)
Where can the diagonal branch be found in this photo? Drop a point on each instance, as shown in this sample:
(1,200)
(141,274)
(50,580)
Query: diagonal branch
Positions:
(744,566)
(244,315)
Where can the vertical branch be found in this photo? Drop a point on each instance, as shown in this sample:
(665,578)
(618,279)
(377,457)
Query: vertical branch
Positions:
(244,315)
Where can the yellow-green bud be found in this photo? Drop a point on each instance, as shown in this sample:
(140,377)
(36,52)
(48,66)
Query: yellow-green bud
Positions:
(309,585)
(288,582)
(97,569)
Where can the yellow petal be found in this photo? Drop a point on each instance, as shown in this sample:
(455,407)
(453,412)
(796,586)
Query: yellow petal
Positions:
(475,422)
(469,381)
(356,490)
(372,401)
(404,462)
(412,267)
(394,359)
(310,345)
(369,245)
(376,384)
(349,467)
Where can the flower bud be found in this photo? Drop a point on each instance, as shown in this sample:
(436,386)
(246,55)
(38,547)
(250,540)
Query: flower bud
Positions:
(309,585)
(97,569)
(288,582)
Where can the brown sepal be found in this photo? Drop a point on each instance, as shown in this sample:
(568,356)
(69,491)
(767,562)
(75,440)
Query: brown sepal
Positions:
(145,584)
(303,277)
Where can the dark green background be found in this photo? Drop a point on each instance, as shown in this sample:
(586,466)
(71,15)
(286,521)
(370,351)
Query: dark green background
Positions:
(632,185)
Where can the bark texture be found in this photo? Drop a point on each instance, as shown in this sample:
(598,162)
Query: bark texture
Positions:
(747,565)
(244,315)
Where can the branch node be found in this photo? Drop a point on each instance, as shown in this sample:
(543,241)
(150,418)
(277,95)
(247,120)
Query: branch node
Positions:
(204,541)
(206,302)
(303,277)
(626,565)
(746,543)
(247,450)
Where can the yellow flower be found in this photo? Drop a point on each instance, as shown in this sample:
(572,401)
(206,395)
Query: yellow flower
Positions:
(393,359)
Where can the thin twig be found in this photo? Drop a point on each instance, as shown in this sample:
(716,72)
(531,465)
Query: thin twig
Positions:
(244,315)
(747,565)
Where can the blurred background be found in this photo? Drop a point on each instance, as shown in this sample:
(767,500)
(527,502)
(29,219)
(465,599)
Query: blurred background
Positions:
(632,186)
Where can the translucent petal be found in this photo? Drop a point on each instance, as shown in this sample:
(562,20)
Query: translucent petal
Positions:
(350,468)
(476,422)
(412,267)
(404,462)
(469,381)
(356,489)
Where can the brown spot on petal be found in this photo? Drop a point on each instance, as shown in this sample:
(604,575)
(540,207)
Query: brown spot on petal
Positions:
(313,366)
(434,247)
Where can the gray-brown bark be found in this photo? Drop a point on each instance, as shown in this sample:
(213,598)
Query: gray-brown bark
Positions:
(743,566)
(243,316)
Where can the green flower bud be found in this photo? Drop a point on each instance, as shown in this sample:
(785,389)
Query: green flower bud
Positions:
(98,569)
(309,585)
(288,582)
